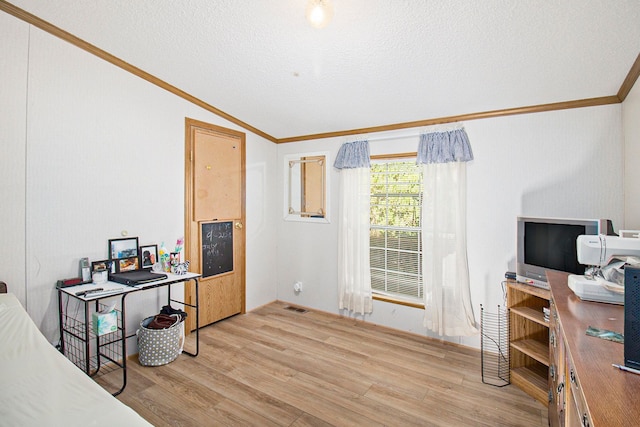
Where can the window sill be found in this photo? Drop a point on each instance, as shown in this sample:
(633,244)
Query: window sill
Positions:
(399,301)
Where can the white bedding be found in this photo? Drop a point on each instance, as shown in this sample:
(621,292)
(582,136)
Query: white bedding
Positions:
(40,387)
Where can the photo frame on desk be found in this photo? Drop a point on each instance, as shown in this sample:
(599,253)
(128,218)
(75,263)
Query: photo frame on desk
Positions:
(105,265)
(126,247)
(100,270)
(127,264)
(148,255)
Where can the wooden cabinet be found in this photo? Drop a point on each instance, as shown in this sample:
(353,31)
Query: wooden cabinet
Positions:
(576,413)
(592,392)
(556,369)
(529,339)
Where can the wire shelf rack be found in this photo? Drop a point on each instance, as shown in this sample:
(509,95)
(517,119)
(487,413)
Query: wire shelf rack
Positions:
(494,344)
(91,353)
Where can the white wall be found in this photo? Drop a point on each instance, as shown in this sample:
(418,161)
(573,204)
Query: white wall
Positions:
(631,129)
(560,164)
(99,151)
(14,36)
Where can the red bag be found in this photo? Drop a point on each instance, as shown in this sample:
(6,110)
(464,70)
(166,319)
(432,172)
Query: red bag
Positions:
(163,321)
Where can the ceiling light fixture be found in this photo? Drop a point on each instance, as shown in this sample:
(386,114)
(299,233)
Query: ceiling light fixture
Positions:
(319,12)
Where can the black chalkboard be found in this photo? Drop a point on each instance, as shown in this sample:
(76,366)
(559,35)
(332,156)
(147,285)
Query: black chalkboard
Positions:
(217,248)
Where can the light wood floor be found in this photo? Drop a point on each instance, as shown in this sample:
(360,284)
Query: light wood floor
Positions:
(278,367)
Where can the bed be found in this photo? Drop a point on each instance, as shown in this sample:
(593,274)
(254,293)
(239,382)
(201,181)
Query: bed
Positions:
(39,386)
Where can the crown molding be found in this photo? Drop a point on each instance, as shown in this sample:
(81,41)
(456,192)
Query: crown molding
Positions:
(630,80)
(590,102)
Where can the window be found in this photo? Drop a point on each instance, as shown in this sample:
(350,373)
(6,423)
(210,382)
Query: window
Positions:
(395,234)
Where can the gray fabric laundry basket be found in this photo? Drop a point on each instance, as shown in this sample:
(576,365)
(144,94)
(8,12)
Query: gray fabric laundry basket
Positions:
(159,346)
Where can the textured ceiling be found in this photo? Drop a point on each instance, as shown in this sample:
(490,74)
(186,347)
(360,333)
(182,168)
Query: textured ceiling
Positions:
(379,62)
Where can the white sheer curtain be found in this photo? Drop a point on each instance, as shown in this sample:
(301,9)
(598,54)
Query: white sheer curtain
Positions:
(354,273)
(448,308)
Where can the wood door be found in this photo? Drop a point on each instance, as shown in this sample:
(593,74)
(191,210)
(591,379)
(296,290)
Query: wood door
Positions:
(214,220)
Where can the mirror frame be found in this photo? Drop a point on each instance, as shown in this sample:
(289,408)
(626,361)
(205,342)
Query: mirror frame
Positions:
(290,214)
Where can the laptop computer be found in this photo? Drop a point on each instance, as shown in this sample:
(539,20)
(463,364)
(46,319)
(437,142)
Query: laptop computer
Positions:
(136,277)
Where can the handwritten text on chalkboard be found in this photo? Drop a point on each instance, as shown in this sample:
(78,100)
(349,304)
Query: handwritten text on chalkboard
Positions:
(217,248)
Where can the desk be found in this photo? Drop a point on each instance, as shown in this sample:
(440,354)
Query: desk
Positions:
(593,392)
(108,352)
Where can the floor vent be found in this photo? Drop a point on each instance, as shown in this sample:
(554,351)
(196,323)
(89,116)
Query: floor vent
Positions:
(296,309)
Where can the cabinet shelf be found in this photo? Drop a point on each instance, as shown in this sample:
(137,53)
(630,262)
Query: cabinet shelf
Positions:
(532,314)
(533,380)
(528,339)
(534,349)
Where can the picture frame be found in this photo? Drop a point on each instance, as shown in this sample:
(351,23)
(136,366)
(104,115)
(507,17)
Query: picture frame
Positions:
(147,261)
(126,247)
(104,265)
(127,264)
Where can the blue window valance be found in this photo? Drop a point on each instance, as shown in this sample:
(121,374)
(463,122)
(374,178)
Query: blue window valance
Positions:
(444,147)
(353,155)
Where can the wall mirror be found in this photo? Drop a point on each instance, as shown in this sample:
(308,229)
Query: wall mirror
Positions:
(306,187)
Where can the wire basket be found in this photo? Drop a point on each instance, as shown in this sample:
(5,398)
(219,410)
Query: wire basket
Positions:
(494,344)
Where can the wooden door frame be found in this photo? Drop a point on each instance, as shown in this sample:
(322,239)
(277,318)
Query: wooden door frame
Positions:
(190,124)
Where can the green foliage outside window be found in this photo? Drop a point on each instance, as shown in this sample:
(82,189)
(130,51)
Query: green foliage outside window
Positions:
(395,247)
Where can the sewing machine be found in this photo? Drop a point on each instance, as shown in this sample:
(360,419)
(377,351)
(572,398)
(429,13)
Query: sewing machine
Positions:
(607,255)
